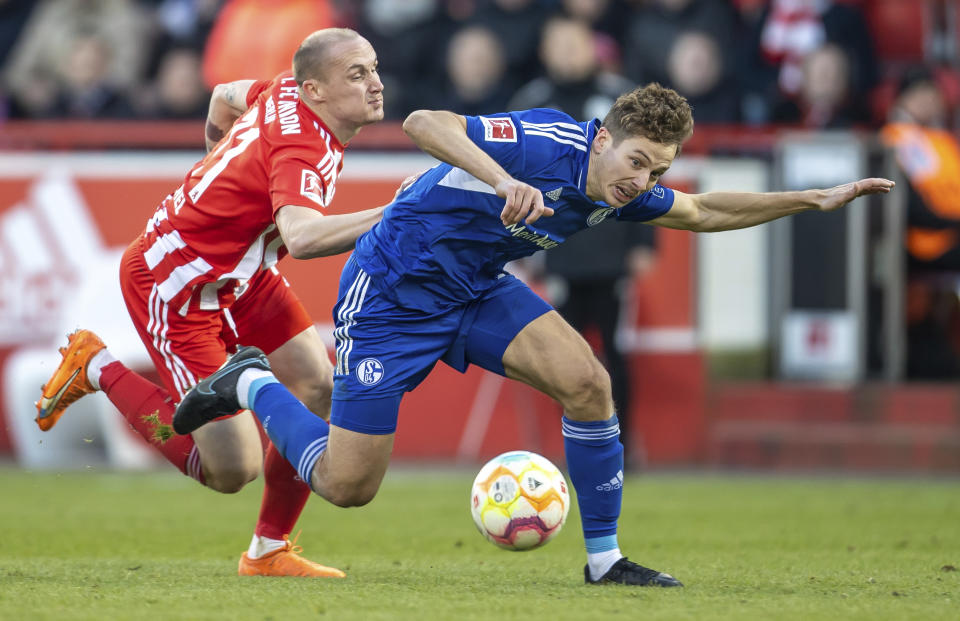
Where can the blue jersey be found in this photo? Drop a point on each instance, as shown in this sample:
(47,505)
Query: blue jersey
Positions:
(441,242)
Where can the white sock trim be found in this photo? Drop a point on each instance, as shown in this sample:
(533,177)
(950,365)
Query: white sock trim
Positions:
(95,367)
(243,385)
(601,562)
(263,545)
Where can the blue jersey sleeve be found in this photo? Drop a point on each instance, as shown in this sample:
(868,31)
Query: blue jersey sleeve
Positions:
(504,137)
(648,205)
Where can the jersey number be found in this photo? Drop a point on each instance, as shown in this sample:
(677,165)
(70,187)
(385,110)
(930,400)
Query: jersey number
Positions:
(243,140)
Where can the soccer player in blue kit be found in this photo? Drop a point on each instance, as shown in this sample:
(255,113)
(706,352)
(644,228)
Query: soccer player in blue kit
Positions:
(427,284)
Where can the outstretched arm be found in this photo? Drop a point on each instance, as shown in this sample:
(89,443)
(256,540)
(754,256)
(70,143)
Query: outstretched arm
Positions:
(307,233)
(227,103)
(723,211)
(444,136)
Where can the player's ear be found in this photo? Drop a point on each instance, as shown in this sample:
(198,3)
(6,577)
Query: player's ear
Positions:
(601,139)
(313,91)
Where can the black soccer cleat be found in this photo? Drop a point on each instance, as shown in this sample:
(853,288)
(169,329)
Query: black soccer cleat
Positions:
(216,395)
(628,572)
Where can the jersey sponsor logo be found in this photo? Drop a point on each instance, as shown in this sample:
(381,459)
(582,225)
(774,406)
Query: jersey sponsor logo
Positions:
(521,232)
(599,215)
(499,130)
(311,186)
(369,371)
(270,111)
(554,194)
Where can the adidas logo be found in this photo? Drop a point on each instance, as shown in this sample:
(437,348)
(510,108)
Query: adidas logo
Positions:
(614,483)
(554,194)
(50,245)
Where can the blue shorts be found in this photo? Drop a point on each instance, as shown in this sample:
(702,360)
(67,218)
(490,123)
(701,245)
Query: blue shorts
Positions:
(384,350)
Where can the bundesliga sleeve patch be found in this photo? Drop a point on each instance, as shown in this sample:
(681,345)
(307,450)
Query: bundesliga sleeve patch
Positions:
(499,130)
(312,187)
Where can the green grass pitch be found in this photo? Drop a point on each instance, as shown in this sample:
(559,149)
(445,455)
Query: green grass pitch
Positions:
(93,545)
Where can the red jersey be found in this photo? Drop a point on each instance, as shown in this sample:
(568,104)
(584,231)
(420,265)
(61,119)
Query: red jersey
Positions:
(217,230)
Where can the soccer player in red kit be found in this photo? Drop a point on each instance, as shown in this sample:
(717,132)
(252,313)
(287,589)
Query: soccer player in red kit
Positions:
(201,278)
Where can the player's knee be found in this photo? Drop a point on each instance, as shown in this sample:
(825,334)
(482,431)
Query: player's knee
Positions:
(315,393)
(351,494)
(229,480)
(316,396)
(587,395)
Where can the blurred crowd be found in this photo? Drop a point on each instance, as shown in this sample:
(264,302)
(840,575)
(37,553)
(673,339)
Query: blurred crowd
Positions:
(814,63)
(891,65)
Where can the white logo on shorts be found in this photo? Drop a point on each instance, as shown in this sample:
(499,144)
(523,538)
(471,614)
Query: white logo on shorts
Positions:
(369,371)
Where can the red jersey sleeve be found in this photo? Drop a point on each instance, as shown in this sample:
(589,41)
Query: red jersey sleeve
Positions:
(255,89)
(295,180)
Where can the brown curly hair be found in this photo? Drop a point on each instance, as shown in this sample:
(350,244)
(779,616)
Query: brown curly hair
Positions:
(655,112)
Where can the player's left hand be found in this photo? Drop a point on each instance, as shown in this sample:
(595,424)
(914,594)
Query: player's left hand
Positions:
(840,195)
(523,202)
(407,183)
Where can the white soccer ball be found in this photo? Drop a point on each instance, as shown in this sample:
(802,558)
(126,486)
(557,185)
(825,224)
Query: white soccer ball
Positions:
(519,500)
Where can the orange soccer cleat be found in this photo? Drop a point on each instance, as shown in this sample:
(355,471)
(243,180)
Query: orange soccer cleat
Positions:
(69,382)
(286,562)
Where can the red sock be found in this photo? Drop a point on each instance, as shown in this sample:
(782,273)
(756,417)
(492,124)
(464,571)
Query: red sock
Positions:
(284,496)
(146,407)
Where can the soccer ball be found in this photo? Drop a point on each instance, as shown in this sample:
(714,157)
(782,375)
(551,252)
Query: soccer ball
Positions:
(519,500)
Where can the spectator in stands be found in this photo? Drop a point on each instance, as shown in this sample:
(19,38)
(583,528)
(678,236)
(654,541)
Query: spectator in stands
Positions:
(588,284)
(178,91)
(825,99)
(572,82)
(517,25)
(608,19)
(656,24)
(779,37)
(695,69)
(32,75)
(13,17)
(180,24)
(476,72)
(86,89)
(407,35)
(929,157)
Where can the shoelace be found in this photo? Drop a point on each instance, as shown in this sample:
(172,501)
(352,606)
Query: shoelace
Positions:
(292,544)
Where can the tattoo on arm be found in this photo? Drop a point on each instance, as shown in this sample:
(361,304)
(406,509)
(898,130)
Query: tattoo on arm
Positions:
(230,94)
(214,133)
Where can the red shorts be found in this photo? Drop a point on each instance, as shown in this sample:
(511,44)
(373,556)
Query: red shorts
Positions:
(187,348)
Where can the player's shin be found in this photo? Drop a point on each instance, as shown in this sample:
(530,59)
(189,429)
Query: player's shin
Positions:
(299,434)
(595,462)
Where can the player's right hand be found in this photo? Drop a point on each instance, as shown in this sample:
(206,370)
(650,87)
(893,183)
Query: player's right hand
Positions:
(523,202)
(840,195)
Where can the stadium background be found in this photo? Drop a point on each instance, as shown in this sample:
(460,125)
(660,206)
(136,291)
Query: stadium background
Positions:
(782,347)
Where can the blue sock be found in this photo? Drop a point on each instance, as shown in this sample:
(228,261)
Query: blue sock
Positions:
(595,463)
(299,434)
